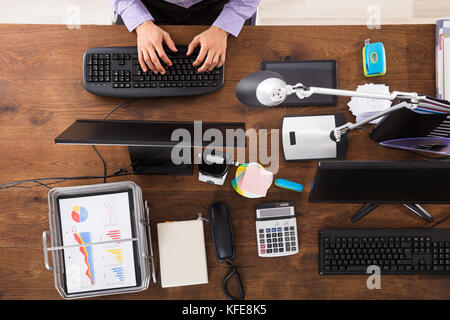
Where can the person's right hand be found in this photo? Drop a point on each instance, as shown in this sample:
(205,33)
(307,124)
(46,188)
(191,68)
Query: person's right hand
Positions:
(150,40)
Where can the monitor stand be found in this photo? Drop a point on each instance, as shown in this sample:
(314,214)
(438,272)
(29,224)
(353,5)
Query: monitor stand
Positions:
(157,160)
(368,208)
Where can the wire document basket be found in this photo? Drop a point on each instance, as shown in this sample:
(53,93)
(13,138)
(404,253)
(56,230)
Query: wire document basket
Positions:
(100,240)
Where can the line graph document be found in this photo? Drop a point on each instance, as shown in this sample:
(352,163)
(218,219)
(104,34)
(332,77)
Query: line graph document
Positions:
(91,219)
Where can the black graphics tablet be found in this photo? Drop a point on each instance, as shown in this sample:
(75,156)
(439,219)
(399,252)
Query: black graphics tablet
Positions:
(316,73)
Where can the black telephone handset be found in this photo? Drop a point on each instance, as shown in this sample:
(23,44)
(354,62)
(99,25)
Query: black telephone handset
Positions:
(222,238)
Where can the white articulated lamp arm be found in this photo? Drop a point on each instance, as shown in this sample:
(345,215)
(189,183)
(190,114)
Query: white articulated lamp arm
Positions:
(338,132)
(407,100)
(304,91)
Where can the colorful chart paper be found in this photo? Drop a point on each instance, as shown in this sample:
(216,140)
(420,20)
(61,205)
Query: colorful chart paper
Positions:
(90,220)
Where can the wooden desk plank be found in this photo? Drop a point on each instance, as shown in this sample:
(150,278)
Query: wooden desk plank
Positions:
(54,52)
(42,94)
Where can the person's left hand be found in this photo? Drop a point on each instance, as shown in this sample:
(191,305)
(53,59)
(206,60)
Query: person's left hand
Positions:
(213,48)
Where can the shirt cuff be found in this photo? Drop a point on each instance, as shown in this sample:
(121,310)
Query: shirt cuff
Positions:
(135,14)
(229,21)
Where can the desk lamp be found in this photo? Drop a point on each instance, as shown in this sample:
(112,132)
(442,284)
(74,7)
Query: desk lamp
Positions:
(267,89)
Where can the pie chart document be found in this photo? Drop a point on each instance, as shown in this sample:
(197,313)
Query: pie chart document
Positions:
(88,220)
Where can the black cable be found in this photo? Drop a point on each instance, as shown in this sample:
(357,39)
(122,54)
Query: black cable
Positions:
(95,148)
(117,173)
(239,282)
(119,106)
(44,185)
(103,161)
(17,184)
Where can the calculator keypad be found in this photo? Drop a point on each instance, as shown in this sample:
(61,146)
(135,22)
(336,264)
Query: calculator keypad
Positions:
(277,238)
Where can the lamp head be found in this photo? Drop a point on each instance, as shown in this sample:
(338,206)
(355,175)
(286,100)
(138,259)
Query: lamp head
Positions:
(262,89)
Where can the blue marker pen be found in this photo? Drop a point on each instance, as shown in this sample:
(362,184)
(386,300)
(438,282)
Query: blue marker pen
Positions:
(286,184)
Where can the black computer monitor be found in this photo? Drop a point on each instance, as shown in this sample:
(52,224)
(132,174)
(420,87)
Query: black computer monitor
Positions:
(150,143)
(375,183)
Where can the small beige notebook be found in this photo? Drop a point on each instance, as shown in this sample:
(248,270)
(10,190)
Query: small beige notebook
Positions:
(182,253)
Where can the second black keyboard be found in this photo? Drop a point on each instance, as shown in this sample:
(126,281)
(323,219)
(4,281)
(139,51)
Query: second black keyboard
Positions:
(394,251)
(116,72)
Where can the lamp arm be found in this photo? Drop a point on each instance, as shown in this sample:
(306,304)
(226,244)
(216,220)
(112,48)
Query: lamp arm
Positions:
(408,100)
(303,92)
(338,132)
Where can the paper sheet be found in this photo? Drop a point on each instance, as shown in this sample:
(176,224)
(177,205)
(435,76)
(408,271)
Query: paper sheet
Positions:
(93,219)
(362,108)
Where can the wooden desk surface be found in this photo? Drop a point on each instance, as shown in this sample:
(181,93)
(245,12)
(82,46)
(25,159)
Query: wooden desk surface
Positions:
(41,94)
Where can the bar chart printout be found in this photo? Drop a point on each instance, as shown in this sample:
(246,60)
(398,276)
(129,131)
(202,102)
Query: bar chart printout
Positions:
(86,221)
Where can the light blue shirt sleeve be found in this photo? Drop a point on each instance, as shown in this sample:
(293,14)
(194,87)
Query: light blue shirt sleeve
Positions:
(133,12)
(231,19)
(234,14)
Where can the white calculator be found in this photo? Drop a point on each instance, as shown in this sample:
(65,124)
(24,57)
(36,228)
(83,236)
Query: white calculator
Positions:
(276,229)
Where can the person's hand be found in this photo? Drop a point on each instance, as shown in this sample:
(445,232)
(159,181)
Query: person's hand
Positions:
(213,48)
(150,40)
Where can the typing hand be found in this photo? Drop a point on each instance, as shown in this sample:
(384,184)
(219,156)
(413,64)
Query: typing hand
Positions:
(150,40)
(213,48)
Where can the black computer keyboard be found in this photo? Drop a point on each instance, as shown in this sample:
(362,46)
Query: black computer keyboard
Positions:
(394,251)
(115,72)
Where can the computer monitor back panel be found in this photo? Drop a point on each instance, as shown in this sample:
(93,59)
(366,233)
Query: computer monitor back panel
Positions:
(140,133)
(382,182)
(150,143)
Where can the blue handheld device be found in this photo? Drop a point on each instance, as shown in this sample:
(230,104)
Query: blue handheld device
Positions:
(374,59)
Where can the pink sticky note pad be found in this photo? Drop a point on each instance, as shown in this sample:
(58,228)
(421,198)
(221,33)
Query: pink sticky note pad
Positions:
(256,180)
